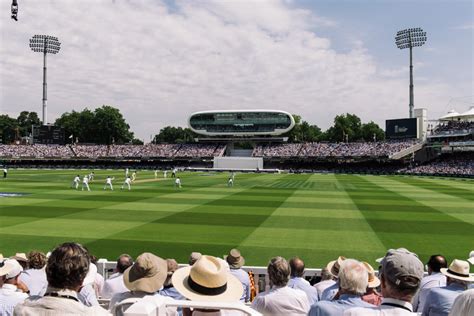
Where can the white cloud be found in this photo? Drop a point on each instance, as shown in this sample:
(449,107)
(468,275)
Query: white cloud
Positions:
(159,64)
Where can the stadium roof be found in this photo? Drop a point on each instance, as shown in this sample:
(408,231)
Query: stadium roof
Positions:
(451,115)
(469,114)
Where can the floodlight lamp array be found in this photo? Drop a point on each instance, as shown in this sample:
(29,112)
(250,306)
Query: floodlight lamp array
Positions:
(412,37)
(45,44)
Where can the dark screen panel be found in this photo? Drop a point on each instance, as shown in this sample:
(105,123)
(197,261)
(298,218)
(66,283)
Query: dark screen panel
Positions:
(401,128)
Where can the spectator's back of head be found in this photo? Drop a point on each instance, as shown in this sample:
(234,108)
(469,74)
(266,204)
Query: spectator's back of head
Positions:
(193,257)
(437,262)
(278,271)
(123,262)
(36,259)
(67,266)
(326,275)
(172,267)
(297,267)
(353,277)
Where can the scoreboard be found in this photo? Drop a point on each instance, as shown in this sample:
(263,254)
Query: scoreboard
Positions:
(48,134)
(401,128)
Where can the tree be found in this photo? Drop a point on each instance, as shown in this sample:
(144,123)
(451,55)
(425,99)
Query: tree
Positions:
(105,125)
(26,120)
(7,129)
(347,127)
(112,126)
(371,129)
(171,134)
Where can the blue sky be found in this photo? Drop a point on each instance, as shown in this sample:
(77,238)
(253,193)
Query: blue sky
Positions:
(159,61)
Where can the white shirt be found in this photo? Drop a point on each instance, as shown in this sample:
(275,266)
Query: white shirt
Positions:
(403,308)
(303,285)
(113,285)
(77,179)
(9,298)
(35,280)
(121,297)
(128,180)
(85,180)
(321,286)
(282,301)
(108,180)
(177,181)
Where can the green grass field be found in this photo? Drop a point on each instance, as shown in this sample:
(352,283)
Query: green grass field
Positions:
(317,217)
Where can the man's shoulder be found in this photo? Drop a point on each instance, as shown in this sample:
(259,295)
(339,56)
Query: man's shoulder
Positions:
(361,311)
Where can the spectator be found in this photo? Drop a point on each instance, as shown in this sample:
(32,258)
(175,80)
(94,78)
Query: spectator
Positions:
(35,277)
(99,279)
(65,271)
(114,284)
(145,277)
(168,288)
(195,256)
(463,304)
(236,261)
(400,275)
(297,280)
(330,292)
(10,296)
(88,293)
(22,259)
(440,300)
(353,281)
(434,279)
(327,280)
(207,280)
(281,299)
(371,296)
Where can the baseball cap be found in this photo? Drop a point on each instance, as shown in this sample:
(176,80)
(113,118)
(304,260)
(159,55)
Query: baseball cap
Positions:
(402,268)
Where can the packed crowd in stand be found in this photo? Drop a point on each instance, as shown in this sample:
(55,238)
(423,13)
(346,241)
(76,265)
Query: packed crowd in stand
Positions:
(66,282)
(363,149)
(453,126)
(459,164)
(111,151)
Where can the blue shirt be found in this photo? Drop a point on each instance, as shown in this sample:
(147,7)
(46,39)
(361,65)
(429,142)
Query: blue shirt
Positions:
(440,300)
(336,308)
(245,280)
(9,298)
(303,285)
(330,292)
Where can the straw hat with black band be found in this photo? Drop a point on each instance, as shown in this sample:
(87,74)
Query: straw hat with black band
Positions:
(458,269)
(207,280)
(334,266)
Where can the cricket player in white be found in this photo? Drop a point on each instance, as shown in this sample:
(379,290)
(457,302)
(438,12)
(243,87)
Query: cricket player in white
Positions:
(75,182)
(177,183)
(85,183)
(165,174)
(108,182)
(134,176)
(126,182)
(230,183)
(126,172)
(156,174)
(91,176)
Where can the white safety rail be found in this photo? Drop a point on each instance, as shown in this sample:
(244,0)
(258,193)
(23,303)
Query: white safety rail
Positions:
(157,306)
(407,151)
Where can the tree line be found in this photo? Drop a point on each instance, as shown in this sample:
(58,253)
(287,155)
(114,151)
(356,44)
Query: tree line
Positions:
(106,125)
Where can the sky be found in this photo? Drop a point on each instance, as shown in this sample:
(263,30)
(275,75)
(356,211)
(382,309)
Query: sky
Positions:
(158,61)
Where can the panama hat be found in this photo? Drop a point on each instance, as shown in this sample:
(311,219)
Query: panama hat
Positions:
(334,266)
(207,280)
(374,281)
(235,259)
(20,256)
(458,269)
(147,274)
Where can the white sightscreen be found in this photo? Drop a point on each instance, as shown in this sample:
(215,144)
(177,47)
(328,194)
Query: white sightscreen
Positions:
(238,163)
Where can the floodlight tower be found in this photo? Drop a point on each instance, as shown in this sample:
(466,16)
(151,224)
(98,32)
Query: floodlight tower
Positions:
(410,38)
(45,44)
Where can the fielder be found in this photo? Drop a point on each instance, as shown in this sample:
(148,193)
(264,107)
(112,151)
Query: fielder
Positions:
(5,172)
(134,176)
(108,182)
(173,173)
(230,183)
(75,182)
(126,182)
(126,172)
(91,176)
(85,183)
(165,174)
(177,183)
(156,174)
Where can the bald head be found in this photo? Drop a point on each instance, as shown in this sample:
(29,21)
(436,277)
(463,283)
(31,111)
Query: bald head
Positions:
(436,262)
(297,267)
(123,262)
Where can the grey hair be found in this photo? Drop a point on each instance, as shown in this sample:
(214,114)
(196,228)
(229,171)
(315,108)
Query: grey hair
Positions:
(278,271)
(353,277)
